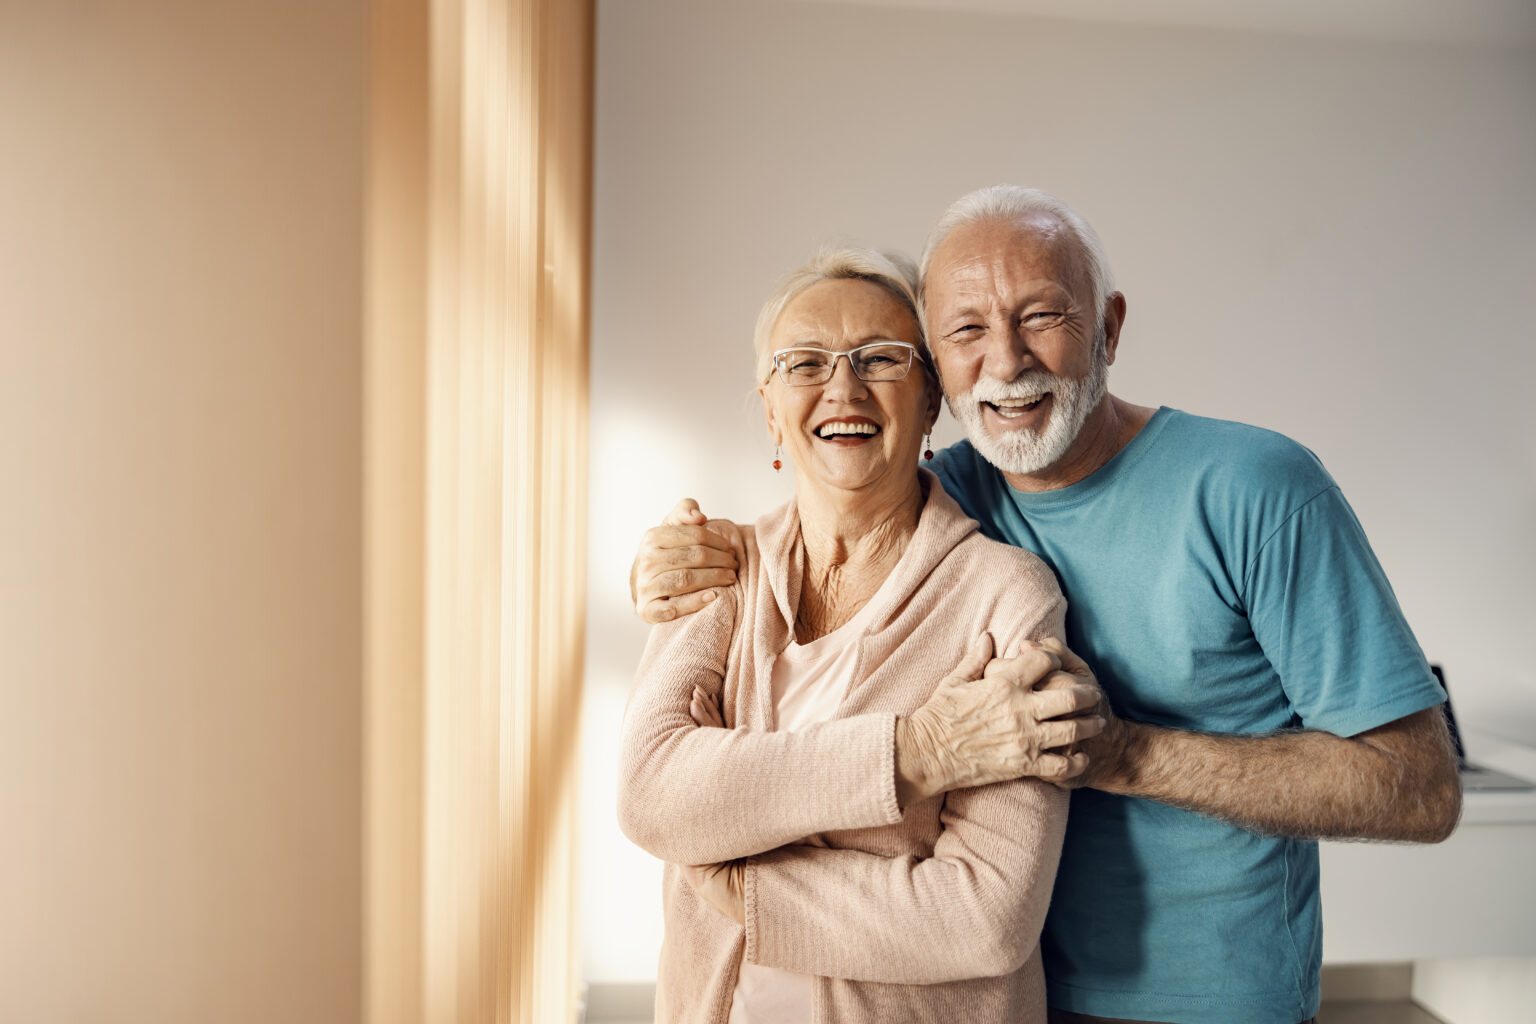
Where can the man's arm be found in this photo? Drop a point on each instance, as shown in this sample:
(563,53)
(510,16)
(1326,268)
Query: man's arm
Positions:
(1395,782)
(1321,609)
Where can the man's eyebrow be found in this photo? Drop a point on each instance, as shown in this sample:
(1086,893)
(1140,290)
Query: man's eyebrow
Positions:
(963,312)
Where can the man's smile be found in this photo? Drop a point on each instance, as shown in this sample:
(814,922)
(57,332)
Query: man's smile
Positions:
(1030,413)
(1010,408)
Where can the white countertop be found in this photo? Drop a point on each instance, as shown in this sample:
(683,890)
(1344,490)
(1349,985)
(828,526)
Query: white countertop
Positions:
(1472,895)
(1492,808)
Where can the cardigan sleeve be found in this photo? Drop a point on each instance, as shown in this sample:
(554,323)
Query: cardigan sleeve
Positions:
(694,795)
(973,909)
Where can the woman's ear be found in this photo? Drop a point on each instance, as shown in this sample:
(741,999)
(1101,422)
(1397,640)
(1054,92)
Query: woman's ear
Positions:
(774,434)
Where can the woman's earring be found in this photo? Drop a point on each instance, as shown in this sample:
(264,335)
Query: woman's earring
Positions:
(928,447)
(778,463)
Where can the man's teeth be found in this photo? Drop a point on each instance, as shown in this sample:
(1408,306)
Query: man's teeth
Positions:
(1014,406)
(830,430)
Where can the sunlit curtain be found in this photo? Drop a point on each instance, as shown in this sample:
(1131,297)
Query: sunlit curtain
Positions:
(479,208)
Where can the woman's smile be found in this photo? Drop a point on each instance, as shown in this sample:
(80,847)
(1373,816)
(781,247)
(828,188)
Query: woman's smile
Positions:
(847,431)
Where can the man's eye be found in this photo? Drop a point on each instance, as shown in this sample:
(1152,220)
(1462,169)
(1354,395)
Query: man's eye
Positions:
(1043,319)
(968,330)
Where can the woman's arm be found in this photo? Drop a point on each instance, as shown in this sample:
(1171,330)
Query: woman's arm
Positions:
(694,795)
(973,909)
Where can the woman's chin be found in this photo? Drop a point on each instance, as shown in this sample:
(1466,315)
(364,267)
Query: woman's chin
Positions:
(855,476)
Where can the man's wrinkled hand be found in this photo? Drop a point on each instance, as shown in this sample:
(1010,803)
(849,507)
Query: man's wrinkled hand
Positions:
(681,563)
(1108,748)
(991,721)
(720,885)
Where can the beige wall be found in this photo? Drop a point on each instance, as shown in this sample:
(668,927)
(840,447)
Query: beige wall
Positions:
(1330,237)
(180,599)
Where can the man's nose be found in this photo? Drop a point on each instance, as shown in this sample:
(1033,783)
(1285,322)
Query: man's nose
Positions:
(1007,354)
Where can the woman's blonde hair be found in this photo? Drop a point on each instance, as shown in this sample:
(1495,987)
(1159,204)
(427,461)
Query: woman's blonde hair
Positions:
(892,271)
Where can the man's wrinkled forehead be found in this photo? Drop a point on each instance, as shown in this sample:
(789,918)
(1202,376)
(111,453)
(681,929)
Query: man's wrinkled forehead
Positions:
(970,255)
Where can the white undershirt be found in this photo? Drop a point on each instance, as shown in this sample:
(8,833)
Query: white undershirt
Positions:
(809,682)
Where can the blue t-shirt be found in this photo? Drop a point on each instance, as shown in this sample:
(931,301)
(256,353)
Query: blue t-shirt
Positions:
(1216,580)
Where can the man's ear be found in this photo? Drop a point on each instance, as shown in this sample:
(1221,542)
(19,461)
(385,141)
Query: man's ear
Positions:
(1114,319)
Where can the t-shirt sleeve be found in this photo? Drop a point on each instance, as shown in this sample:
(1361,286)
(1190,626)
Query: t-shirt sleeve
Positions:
(1327,619)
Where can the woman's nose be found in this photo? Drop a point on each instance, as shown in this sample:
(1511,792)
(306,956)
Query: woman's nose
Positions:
(844,385)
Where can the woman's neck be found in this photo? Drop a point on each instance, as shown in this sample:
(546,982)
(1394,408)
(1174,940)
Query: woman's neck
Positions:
(852,542)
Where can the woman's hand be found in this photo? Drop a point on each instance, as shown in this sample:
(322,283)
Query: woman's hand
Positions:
(993,720)
(705,710)
(720,885)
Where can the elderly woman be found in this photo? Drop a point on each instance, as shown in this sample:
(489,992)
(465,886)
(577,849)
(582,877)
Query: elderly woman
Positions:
(853,601)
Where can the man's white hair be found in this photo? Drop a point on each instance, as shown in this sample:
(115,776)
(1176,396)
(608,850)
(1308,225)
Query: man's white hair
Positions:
(1016,202)
(891,271)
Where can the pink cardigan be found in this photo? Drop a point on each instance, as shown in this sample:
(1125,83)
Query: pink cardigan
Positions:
(932,914)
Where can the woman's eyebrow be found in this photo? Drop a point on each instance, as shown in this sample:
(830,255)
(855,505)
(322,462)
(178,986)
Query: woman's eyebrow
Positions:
(808,340)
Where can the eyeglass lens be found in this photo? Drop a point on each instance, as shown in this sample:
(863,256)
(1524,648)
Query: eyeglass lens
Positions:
(880,361)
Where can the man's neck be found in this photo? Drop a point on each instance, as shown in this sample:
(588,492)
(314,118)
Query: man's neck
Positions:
(1108,429)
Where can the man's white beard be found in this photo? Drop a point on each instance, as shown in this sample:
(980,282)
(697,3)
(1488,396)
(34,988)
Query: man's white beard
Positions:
(1026,451)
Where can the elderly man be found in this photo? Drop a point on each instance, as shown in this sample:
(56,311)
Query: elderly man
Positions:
(1264,686)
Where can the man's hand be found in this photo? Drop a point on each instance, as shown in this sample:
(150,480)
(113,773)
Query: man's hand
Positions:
(681,561)
(1395,782)
(996,720)
(1109,750)
(720,885)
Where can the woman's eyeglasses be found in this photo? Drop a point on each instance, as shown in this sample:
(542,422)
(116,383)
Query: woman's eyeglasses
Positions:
(879,360)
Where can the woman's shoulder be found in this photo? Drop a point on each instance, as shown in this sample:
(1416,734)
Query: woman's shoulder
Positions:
(1017,594)
(995,566)
(973,550)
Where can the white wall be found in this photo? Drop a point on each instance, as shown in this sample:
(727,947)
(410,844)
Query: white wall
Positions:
(1331,238)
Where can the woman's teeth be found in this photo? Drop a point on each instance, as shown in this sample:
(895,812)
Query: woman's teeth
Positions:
(828,431)
(1016,406)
